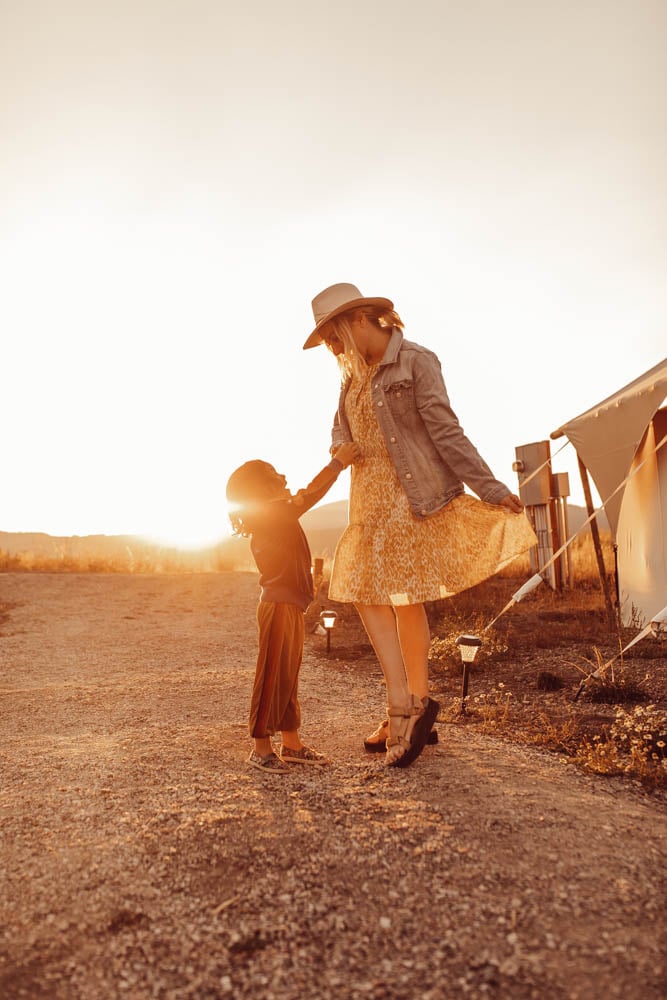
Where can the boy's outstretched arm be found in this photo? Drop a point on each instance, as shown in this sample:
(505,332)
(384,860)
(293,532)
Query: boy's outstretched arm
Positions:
(324,480)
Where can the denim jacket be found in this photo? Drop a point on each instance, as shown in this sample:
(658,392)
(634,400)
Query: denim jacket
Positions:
(431,454)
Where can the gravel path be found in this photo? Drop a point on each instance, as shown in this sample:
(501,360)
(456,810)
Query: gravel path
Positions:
(142,858)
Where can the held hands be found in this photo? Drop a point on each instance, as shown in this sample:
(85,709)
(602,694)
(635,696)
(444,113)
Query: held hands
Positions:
(347,453)
(512,502)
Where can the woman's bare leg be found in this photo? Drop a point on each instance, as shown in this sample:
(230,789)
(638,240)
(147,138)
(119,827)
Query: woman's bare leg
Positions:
(381,626)
(379,621)
(414,636)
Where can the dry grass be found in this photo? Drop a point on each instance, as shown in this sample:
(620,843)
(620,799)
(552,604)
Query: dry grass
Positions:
(231,554)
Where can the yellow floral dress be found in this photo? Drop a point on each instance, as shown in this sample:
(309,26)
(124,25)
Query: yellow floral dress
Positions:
(386,555)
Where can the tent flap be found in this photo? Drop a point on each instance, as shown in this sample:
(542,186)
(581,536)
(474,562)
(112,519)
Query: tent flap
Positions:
(606,436)
(619,435)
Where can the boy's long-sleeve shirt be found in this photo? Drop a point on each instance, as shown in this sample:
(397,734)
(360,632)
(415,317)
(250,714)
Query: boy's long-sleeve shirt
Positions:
(280,547)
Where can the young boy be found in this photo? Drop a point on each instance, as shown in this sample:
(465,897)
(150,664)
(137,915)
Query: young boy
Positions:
(262,507)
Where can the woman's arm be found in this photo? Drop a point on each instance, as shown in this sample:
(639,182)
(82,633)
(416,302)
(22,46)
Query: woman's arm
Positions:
(447,435)
(340,432)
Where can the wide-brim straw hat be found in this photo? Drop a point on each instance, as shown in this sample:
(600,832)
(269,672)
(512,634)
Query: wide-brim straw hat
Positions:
(333,301)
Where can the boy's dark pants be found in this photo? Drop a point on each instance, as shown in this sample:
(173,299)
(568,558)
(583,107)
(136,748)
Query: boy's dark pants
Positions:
(274,706)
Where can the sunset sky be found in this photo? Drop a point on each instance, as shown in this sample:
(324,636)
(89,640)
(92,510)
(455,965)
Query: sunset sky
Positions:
(179,179)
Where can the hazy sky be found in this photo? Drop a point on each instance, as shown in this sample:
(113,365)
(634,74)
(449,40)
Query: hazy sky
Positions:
(179,179)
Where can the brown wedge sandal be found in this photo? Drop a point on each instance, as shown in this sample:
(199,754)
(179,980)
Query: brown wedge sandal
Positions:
(402,722)
(420,731)
(376,742)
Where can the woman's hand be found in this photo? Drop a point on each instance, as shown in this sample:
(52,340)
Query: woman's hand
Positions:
(347,453)
(512,502)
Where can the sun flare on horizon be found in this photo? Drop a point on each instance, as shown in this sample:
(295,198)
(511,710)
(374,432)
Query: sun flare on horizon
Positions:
(188,539)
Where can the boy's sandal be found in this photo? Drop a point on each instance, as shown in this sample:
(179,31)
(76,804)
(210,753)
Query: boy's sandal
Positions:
(419,736)
(377,741)
(306,755)
(270,763)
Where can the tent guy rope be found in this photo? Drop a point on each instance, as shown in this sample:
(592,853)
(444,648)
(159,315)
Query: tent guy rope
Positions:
(654,627)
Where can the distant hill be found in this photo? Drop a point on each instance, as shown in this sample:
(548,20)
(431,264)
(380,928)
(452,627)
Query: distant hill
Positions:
(323,526)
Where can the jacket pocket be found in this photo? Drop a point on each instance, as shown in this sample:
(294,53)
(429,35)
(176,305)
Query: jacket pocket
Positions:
(400,396)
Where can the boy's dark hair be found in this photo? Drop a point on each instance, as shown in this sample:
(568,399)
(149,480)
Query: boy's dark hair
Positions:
(247,488)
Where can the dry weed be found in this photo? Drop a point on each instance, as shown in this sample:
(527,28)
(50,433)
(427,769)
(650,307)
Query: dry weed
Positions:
(636,746)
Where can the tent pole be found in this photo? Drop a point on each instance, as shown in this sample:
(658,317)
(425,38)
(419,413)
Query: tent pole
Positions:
(597,545)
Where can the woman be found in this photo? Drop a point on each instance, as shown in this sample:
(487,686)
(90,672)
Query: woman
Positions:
(413,534)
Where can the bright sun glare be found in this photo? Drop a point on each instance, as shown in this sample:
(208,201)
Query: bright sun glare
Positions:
(188,539)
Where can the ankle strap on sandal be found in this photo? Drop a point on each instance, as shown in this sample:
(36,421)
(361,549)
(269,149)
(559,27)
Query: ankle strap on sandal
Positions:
(405,711)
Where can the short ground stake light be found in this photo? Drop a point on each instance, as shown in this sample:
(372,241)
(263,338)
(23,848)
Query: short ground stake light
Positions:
(468,646)
(328,619)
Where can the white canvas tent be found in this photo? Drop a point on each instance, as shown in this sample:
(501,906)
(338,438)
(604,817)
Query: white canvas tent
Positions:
(611,439)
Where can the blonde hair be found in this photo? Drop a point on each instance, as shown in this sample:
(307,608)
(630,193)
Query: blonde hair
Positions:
(350,361)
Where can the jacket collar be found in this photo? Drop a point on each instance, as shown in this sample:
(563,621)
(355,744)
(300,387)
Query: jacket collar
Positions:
(390,355)
(393,347)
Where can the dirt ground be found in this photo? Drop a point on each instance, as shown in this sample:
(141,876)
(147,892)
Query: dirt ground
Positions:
(142,858)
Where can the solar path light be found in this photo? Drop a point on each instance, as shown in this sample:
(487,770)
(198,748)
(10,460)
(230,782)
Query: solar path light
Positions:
(328,619)
(468,646)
